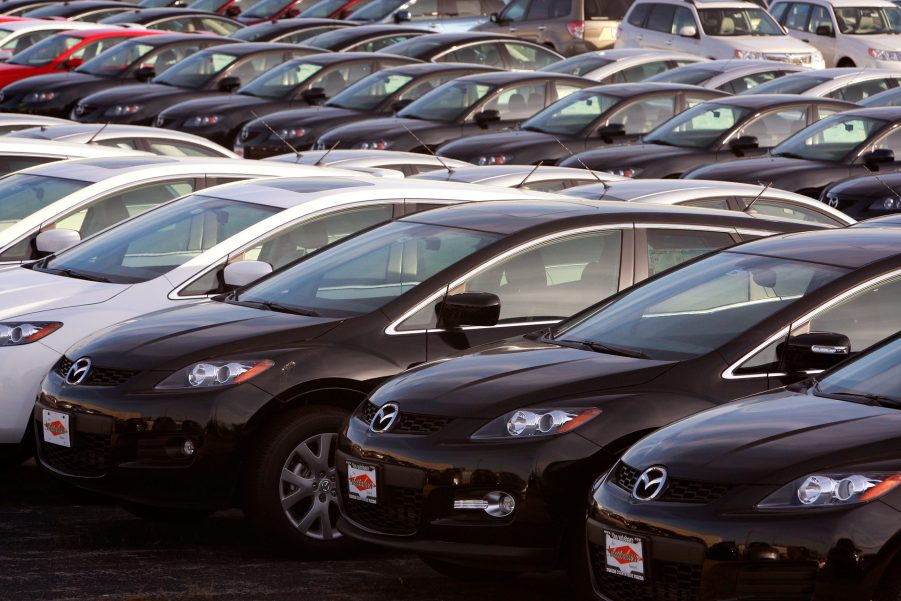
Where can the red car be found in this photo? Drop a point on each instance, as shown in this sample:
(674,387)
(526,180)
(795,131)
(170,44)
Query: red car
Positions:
(65,51)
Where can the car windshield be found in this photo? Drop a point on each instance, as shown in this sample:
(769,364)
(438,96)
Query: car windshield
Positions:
(322,10)
(875,376)
(447,103)
(699,126)
(573,114)
(22,194)
(154,3)
(868,20)
(697,309)
(413,48)
(196,71)
(377,10)
(578,65)
(267,9)
(212,6)
(365,272)
(790,84)
(738,21)
(116,60)
(367,93)
(693,76)
(161,239)
(279,82)
(45,52)
(891,97)
(831,139)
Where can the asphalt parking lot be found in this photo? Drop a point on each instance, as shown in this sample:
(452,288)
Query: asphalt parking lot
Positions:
(54,547)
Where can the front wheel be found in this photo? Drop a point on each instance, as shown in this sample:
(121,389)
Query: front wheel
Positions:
(291,487)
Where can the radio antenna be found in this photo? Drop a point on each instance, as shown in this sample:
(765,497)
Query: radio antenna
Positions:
(327,152)
(573,155)
(450,170)
(882,181)
(528,175)
(297,154)
(759,194)
(97,133)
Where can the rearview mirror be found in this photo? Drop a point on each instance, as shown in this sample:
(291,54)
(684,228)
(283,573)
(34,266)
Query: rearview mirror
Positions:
(401,104)
(402,16)
(314,95)
(468,309)
(877,157)
(742,143)
(825,30)
(229,84)
(145,73)
(242,273)
(688,31)
(484,118)
(612,130)
(814,351)
(54,241)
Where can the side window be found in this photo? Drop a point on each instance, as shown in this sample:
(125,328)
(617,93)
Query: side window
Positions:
(477,54)
(826,111)
(668,248)
(128,144)
(638,14)
(643,116)
(786,210)
(528,58)
(778,10)
(819,17)
(892,142)
(683,18)
(562,91)
(739,85)
(691,101)
(178,148)
(114,208)
(708,203)
(661,18)
(539,9)
(515,104)
(22,42)
(515,10)
(641,72)
(424,8)
(426,86)
(218,27)
(772,128)
(548,185)
(169,55)
(862,90)
(797,16)
(377,44)
(337,79)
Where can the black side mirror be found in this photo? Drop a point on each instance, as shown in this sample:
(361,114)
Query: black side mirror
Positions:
(877,157)
(814,351)
(468,309)
(825,30)
(484,118)
(232,11)
(743,143)
(611,131)
(314,95)
(402,16)
(229,84)
(494,18)
(144,73)
(401,104)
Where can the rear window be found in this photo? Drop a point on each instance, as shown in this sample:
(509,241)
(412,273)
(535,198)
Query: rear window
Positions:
(638,14)
(606,9)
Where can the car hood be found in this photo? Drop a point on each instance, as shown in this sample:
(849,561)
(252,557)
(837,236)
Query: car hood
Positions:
(627,156)
(311,115)
(142,92)
(499,143)
(879,41)
(869,187)
(26,292)
(52,81)
(755,170)
(172,338)
(512,374)
(386,128)
(765,43)
(218,103)
(771,439)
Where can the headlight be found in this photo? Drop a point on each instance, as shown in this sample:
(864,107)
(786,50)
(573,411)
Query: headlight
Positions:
(526,423)
(493,159)
(829,490)
(750,55)
(203,120)
(36,97)
(292,132)
(123,109)
(215,373)
(890,203)
(885,55)
(19,333)
(625,171)
(376,145)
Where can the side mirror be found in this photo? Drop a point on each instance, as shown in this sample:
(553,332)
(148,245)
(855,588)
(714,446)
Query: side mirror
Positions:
(825,30)
(232,11)
(242,273)
(229,84)
(877,157)
(402,16)
(469,309)
(814,351)
(484,118)
(611,131)
(145,73)
(743,143)
(72,63)
(495,18)
(688,31)
(401,104)
(54,241)
(313,95)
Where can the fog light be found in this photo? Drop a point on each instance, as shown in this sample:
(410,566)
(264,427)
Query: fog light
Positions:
(497,504)
(188,448)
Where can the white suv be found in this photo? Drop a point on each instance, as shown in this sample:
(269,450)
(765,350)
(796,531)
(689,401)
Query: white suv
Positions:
(717,30)
(849,33)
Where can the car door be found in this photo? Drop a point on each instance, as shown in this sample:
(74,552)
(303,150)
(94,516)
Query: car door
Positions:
(659,27)
(821,33)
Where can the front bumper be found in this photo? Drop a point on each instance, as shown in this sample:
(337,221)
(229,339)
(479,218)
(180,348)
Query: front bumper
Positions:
(130,445)
(419,476)
(719,551)
(25,367)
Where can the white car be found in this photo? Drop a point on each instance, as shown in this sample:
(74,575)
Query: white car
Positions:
(18,153)
(165,142)
(47,208)
(546,178)
(17,121)
(185,251)
(849,84)
(406,163)
(732,76)
(849,33)
(771,202)
(717,30)
(16,36)
(623,65)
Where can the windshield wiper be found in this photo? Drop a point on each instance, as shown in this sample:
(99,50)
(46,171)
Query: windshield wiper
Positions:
(871,399)
(787,155)
(79,275)
(660,142)
(597,347)
(272,306)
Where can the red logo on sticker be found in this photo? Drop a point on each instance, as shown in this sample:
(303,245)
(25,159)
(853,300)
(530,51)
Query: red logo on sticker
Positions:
(56,428)
(624,554)
(362,482)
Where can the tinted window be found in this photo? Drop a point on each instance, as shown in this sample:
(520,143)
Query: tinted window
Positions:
(862,90)
(521,102)
(579,65)
(788,210)
(778,10)
(790,84)
(661,17)
(668,248)
(830,139)
(797,16)
(774,127)
(644,115)
(638,14)
(700,126)
(488,54)
(515,10)
(572,115)
(877,374)
(447,103)
(24,194)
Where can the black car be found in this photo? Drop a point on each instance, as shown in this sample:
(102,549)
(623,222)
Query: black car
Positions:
(865,197)
(364,38)
(483,462)
(718,131)
(304,81)
(849,144)
(19,7)
(289,31)
(468,106)
(221,69)
(890,97)
(597,117)
(56,94)
(80,10)
(378,95)
(176,20)
(478,48)
(315,338)
(893,220)
(788,495)
(273,10)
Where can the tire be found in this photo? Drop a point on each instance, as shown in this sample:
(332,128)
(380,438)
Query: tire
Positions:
(846,62)
(290,487)
(165,514)
(460,571)
(890,587)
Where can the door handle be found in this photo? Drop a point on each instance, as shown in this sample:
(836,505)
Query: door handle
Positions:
(542,27)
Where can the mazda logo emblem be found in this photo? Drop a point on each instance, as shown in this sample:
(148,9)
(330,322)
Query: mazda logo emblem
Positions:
(79,371)
(650,484)
(80,109)
(384,418)
(833,202)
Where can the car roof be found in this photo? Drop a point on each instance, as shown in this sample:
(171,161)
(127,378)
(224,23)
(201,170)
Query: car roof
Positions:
(867,3)
(769,100)
(847,247)
(426,68)
(627,90)
(111,30)
(505,77)
(300,23)
(37,24)
(324,57)
(488,173)
(889,113)
(723,66)
(359,157)
(82,132)
(893,220)
(844,72)
(171,38)
(53,148)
